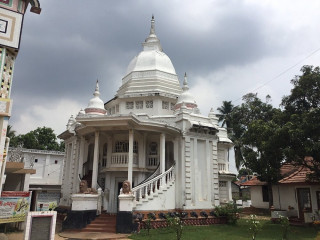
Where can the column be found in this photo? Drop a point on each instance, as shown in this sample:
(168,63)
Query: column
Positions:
(130,160)
(208,160)
(81,156)
(95,160)
(177,172)
(162,156)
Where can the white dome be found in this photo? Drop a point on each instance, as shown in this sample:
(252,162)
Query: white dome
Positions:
(186,97)
(95,102)
(151,60)
(96,105)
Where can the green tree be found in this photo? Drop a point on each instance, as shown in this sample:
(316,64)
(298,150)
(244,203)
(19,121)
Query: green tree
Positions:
(256,135)
(42,138)
(241,116)
(225,114)
(301,119)
(244,172)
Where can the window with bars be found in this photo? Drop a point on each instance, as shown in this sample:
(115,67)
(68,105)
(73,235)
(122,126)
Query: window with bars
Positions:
(149,104)
(172,106)
(153,148)
(123,147)
(129,105)
(139,104)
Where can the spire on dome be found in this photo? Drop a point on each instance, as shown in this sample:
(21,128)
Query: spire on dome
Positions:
(185,83)
(186,99)
(96,105)
(152,42)
(152,30)
(96,92)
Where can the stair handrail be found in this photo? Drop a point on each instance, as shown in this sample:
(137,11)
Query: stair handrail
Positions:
(162,177)
(154,174)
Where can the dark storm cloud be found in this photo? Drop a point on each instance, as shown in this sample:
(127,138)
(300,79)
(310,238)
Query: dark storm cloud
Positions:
(72,43)
(67,47)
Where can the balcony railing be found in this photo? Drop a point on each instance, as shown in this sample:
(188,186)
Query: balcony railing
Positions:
(222,167)
(152,161)
(122,159)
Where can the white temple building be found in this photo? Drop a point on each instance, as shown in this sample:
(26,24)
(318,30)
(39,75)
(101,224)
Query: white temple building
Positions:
(152,134)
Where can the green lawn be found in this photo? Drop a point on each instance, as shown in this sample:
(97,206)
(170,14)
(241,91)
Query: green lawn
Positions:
(237,232)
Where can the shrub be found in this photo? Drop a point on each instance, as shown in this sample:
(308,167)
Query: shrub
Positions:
(285,224)
(254,226)
(176,225)
(228,210)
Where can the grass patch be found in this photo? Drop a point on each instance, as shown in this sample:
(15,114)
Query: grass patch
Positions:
(238,231)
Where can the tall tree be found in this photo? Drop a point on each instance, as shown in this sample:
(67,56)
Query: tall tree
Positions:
(241,116)
(42,138)
(301,119)
(256,133)
(225,112)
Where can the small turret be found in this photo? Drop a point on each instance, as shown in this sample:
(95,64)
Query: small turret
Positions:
(95,105)
(213,118)
(186,100)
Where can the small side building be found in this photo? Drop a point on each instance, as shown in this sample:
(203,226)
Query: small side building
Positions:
(46,168)
(294,195)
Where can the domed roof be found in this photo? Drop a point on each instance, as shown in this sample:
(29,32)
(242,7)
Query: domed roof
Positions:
(152,57)
(151,60)
(96,105)
(150,72)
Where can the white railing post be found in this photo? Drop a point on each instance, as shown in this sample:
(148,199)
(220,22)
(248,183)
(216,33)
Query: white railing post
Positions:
(152,185)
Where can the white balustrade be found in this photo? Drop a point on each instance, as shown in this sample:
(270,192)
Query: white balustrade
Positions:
(121,159)
(222,167)
(153,161)
(153,185)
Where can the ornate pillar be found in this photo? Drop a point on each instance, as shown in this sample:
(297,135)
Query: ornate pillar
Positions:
(81,156)
(130,157)
(95,160)
(162,152)
(162,156)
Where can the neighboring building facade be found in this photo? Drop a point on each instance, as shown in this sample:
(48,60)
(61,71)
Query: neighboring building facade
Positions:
(152,134)
(46,179)
(11,19)
(294,193)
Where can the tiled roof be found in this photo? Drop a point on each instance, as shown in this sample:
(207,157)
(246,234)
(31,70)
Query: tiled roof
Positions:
(290,172)
(297,176)
(254,181)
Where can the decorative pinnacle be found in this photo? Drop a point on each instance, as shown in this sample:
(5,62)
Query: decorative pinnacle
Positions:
(96,92)
(152,29)
(185,82)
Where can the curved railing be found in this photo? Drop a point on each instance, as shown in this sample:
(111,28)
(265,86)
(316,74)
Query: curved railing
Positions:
(153,175)
(153,185)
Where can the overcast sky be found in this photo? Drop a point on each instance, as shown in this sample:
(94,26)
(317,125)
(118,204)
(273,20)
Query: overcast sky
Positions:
(228,48)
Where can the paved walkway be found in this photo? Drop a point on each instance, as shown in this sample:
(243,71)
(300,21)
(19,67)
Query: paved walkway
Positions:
(74,236)
(92,235)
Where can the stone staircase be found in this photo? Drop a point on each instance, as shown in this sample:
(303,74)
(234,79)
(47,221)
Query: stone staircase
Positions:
(102,223)
(158,191)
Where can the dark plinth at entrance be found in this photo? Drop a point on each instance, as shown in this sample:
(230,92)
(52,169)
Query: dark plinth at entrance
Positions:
(78,219)
(125,222)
